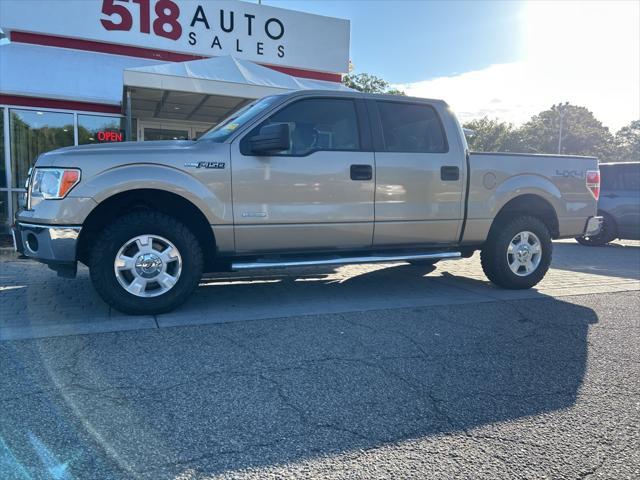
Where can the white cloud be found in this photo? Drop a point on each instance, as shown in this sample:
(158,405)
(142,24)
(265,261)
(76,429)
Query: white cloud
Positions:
(585,53)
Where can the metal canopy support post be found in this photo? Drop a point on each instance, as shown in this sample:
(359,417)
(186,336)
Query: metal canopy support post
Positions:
(128,120)
(7,166)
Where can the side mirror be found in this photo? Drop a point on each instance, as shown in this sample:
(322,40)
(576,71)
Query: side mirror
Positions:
(272,138)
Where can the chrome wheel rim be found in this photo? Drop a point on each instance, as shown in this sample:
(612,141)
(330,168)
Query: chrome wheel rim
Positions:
(524,253)
(148,266)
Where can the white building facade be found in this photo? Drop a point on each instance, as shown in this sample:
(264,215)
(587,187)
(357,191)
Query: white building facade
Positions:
(99,71)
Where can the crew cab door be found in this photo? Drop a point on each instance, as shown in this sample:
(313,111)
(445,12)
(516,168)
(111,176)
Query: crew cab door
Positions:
(420,174)
(316,195)
(620,197)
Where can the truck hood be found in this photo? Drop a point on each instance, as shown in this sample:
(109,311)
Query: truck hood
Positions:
(161,151)
(119,147)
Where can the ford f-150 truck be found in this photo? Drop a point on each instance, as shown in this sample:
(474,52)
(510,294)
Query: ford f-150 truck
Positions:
(300,179)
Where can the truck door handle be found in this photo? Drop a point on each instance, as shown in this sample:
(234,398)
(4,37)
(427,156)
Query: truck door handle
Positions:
(610,195)
(361,172)
(449,173)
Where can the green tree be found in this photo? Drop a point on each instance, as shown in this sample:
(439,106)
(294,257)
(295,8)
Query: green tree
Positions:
(628,142)
(492,135)
(582,133)
(365,82)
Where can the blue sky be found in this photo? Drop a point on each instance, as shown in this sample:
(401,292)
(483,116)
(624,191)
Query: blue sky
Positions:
(408,41)
(502,59)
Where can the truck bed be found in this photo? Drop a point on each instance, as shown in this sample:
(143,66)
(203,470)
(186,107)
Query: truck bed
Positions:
(496,178)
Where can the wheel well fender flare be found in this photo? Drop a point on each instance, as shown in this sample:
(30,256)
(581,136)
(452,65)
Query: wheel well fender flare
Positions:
(134,177)
(540,198)
(127,201)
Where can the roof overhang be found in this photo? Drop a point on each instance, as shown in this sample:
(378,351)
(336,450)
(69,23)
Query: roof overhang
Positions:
(224,76)
(207,90)
(158,81)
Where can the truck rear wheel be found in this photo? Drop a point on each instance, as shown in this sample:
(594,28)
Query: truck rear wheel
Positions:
(517,253)
(146,263)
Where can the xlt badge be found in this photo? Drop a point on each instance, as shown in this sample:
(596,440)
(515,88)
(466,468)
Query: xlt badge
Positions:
(204,164)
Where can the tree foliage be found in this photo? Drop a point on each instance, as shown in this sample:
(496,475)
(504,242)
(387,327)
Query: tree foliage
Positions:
(582,134)
(628,142)
(491,135)
(365,82)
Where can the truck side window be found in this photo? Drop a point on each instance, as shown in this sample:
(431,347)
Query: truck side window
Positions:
(317,124)
(409,127)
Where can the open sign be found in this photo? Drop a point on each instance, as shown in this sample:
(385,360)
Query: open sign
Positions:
(107,136)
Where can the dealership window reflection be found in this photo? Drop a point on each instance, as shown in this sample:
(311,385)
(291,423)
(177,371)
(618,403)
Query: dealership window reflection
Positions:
(99,129)
(34,132)
(4,210)
(3,173)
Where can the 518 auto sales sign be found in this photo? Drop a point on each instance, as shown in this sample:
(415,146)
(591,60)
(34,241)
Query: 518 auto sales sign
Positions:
(198,27)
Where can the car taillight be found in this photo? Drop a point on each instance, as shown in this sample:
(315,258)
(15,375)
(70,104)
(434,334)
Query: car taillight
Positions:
(593,182)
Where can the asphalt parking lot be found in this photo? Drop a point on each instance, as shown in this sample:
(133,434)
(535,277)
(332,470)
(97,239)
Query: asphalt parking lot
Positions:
(375,371)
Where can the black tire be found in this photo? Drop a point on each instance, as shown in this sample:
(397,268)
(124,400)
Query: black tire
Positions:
(494,252)
(608,233)
(114,236)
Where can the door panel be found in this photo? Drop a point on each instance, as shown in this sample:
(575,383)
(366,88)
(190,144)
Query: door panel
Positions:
(625,207)
(631,198)
(413,204)
(304,236)
(419,191)
(631,219)
(305,197)
(620,197)
(274,197)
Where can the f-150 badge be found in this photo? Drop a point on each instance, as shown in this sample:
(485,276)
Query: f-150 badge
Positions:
(204,164)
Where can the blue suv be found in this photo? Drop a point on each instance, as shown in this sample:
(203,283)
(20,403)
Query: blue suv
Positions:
(619,203)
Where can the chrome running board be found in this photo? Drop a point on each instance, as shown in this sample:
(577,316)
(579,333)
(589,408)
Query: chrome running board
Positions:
(343,260)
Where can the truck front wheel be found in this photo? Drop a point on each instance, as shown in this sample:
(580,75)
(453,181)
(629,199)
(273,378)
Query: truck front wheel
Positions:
(145,263)
(517,253)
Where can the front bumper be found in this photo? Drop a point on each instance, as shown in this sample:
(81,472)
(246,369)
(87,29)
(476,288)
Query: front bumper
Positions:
(54,245)
(593,227)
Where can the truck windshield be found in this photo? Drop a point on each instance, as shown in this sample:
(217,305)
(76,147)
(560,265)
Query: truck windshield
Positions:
(224,129)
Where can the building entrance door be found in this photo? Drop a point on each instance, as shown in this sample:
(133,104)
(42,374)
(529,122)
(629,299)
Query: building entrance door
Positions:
(154,130)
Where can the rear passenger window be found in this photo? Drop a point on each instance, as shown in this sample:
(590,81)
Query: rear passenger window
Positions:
(409,127)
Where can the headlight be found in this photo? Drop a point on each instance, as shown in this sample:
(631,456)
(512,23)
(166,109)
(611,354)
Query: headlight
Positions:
(53,183)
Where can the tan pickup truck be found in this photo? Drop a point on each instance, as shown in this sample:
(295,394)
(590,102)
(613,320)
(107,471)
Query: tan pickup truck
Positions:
(307,178)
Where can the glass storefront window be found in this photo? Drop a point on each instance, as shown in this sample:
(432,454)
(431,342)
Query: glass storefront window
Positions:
(4,211)
(100,129)
(165,134)
(3,173)
(34,132)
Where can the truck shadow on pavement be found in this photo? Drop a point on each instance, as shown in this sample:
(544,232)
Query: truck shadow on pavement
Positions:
(218,398)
